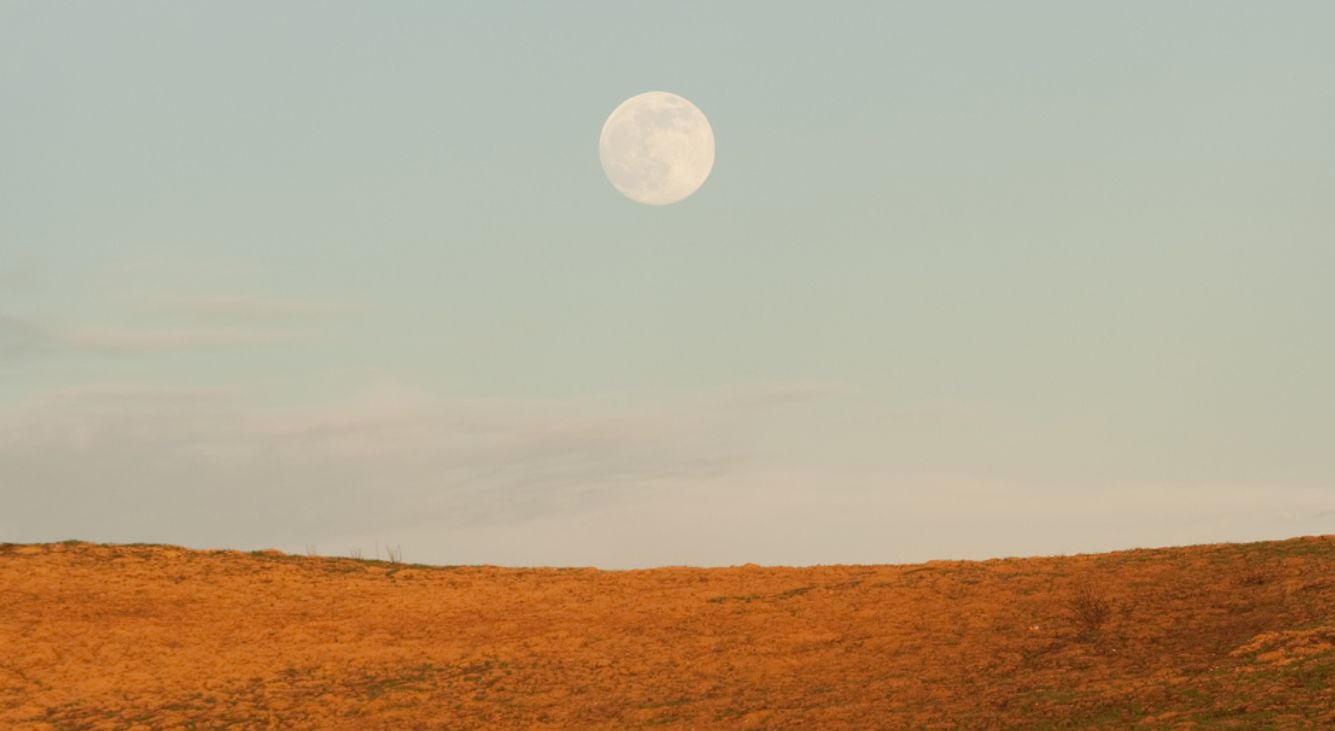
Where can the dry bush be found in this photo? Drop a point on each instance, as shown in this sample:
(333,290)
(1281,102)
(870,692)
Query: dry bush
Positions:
(1257,576)
(1090,608)
(395,554)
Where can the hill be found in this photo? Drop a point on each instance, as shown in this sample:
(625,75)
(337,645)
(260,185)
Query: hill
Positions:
(140,636)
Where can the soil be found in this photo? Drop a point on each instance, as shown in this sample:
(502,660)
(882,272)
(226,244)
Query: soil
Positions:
(145,636)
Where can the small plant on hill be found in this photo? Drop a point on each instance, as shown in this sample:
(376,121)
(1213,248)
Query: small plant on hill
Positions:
(1090,608)
(1256,576)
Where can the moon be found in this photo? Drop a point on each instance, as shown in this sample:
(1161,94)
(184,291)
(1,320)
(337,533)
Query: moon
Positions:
(657,148)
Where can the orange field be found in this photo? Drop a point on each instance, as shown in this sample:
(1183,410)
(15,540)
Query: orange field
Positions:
(130,637)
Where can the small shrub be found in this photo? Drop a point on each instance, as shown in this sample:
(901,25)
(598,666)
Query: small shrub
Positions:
(395,554)
(1091,609)
(1258,576)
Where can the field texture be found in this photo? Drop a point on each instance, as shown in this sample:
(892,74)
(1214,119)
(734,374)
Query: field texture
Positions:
(1222,636)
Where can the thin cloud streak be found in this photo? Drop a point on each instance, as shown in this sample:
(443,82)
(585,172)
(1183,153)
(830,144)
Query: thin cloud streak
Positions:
(126,340)
(242,306)
(770,395)
(24,338)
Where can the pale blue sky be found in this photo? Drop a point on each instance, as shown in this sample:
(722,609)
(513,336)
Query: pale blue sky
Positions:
(968,279)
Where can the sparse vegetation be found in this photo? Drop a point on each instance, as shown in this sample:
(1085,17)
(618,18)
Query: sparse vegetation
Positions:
(1146,639)
(1258,576)
(1091,609)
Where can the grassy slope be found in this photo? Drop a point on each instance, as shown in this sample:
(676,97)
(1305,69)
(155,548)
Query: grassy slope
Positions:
(1223,636)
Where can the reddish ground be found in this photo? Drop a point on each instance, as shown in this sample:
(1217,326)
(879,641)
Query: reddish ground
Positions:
(1223,636)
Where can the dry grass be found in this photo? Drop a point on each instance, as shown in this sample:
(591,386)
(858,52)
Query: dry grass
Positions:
(161,637)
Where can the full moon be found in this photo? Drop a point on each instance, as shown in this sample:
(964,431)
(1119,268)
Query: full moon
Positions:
(656,148)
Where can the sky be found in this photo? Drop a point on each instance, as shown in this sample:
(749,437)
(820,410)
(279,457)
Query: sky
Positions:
(967,279)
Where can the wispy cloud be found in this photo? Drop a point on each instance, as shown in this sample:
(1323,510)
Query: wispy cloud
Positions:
(770,395)
(92,394)
(16,275)
(384,459)
(241,306)
(552,482)
(21,338)
(127,340)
